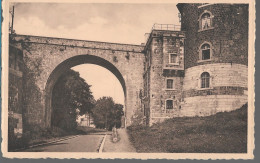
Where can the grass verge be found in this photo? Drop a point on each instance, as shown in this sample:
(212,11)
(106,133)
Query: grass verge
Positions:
(224,132)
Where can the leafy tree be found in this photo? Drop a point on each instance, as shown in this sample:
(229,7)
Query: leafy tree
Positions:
(107,114)
(116,115)
(71,96)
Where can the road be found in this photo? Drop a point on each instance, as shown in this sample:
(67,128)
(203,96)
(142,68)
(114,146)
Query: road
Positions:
(82,143)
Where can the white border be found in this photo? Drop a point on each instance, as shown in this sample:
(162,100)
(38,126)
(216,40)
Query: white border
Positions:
(204,156)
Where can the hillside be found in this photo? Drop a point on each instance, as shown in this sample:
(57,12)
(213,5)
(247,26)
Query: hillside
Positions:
(224,132)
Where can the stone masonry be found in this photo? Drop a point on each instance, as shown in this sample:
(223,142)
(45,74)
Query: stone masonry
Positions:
(46,58)
(214,40)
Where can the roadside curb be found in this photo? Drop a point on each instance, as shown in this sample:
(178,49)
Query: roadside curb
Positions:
(36,145)
(102,144)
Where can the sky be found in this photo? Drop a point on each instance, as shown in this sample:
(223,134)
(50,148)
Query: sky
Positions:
(102,81)
(118,23)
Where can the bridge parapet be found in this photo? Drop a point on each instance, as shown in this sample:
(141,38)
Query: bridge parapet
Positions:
(79,43)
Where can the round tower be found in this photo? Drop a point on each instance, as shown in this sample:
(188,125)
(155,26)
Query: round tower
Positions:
(216,57)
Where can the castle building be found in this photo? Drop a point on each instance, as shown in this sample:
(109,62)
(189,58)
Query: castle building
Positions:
(15,104)
(199,69)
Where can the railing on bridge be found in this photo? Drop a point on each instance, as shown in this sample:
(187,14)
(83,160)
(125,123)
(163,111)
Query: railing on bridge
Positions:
(170,27)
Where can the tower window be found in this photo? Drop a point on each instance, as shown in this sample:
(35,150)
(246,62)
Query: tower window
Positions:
(169,83)
(205,52)
(205,80)
(205,21)
(173,58)
(169,104)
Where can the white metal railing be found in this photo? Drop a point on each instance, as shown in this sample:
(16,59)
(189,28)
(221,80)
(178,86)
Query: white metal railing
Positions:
(171,27)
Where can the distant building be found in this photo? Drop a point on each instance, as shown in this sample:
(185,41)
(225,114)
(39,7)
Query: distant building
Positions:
(86,120)
(199,69)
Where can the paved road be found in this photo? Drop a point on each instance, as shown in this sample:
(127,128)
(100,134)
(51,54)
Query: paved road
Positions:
(82,143)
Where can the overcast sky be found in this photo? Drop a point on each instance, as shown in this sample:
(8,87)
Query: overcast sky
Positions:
(119,23)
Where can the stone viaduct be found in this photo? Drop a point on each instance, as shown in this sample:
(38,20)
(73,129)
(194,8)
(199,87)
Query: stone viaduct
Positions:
(45,59)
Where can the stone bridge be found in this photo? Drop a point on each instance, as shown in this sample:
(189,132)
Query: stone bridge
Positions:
(46,58)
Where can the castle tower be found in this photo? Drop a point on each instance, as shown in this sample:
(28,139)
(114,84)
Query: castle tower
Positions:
(163,72)
(216,57)
(200,69)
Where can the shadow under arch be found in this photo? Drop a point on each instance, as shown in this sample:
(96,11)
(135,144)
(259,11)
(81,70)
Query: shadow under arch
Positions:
(69,63)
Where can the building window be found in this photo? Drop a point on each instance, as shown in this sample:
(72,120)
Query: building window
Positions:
(205,80)
(173,58)
(169,104)
(205,52)
(205,21)
(169,84)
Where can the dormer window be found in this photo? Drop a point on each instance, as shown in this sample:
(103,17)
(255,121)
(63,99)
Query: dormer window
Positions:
(205,21)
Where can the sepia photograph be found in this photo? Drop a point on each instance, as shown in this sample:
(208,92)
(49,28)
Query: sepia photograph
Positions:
(134,79)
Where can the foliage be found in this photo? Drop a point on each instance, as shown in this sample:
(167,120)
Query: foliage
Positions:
(221,133)
(71,96)
(138,118)
(107,114)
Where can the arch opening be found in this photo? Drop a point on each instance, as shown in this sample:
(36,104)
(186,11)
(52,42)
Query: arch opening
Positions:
(70,63)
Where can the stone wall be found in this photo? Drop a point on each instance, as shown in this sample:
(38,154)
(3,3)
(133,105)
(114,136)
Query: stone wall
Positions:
(162,44)
(227,91)
(79,43)
(211,104)
(205,106)
(15,93)
(222,74)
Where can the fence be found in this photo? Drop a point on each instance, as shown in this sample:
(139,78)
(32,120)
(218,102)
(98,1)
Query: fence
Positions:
(171,27)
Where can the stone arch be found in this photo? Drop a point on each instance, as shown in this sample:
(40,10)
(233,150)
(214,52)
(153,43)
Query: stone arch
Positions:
(71,62)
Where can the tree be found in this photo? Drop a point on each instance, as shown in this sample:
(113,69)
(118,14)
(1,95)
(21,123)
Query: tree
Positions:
(107,114)
(116,115)
(71,96)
